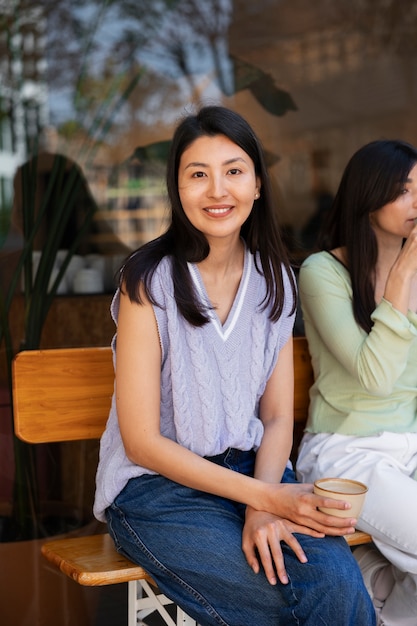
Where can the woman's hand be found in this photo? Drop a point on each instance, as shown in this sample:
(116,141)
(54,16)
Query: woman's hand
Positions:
(294,510)
(262,535)
(297,503)
(401,277)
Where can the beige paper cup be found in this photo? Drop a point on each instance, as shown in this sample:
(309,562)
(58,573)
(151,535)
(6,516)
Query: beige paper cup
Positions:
(342,489)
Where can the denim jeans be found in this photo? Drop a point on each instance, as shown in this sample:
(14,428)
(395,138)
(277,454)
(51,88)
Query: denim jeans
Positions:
(190,543)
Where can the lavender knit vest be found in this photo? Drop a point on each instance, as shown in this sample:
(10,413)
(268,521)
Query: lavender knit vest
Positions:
(212,377)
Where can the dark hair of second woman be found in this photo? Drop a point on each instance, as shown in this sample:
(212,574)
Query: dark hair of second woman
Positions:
(184,243)
(374,177)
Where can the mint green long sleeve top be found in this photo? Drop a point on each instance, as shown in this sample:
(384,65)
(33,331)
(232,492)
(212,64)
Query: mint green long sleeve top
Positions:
(364,383)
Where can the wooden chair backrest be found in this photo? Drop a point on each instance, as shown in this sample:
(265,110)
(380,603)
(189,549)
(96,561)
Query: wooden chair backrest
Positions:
(303,379)
(62,394)
(65,394)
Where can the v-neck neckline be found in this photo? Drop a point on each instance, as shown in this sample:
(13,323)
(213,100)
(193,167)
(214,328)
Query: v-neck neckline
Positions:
(223,330)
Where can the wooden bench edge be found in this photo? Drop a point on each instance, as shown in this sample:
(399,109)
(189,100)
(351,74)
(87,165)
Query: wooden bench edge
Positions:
(358,538)
(92,561)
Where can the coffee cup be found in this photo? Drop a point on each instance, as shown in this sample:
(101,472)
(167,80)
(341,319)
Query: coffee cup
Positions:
(345,489)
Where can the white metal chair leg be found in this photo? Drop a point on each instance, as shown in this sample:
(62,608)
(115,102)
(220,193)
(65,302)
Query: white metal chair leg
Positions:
(183,619)
(141,605)
(133,588)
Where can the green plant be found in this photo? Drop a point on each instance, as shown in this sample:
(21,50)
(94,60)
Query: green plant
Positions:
(38,291)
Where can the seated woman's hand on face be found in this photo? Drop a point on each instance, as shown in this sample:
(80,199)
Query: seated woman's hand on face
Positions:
(264,531)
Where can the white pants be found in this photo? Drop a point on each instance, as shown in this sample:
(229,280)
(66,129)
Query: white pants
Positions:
(387,464)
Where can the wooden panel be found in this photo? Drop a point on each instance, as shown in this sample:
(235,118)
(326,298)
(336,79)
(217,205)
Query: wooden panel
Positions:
(63,394)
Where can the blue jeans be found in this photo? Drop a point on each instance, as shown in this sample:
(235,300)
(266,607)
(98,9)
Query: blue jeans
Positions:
(190,543)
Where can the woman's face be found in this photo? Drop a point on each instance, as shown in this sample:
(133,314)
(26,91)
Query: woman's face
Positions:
(397,218)
(217,185)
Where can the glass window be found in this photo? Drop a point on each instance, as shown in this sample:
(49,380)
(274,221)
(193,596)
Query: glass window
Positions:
(90,91)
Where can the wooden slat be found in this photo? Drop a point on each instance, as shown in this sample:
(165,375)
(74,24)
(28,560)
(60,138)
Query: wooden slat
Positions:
(92,561)
(303,378)
(62,394)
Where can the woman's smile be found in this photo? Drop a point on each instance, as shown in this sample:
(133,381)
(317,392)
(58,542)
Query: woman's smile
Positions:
(218,211)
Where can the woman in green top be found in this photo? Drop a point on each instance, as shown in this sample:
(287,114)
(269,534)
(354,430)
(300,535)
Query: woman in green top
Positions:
(359,302)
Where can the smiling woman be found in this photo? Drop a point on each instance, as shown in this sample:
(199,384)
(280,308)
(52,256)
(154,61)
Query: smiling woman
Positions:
(200,430)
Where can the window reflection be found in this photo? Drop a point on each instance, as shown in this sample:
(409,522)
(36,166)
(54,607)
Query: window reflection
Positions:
(98,85)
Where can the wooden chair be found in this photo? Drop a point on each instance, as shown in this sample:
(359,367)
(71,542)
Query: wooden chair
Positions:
(65,395)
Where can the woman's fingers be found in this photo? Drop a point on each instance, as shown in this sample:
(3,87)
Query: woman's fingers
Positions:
(336,526)
(265,550)
(277,555)
(265,540)
(250,555)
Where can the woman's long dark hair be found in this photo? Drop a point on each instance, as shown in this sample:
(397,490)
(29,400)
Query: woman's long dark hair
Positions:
(184,243)
(374,177)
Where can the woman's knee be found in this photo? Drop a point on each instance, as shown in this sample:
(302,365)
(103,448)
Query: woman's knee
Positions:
(332,563)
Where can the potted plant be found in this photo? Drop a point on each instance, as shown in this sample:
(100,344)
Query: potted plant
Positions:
(39,289)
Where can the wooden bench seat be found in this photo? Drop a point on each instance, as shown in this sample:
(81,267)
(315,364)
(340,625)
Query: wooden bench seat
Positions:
(65,395)
(92,560)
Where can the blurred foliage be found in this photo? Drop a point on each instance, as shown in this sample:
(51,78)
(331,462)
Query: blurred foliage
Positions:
(65,182)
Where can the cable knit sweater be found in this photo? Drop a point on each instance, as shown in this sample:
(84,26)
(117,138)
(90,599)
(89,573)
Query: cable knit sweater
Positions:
(212,377)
